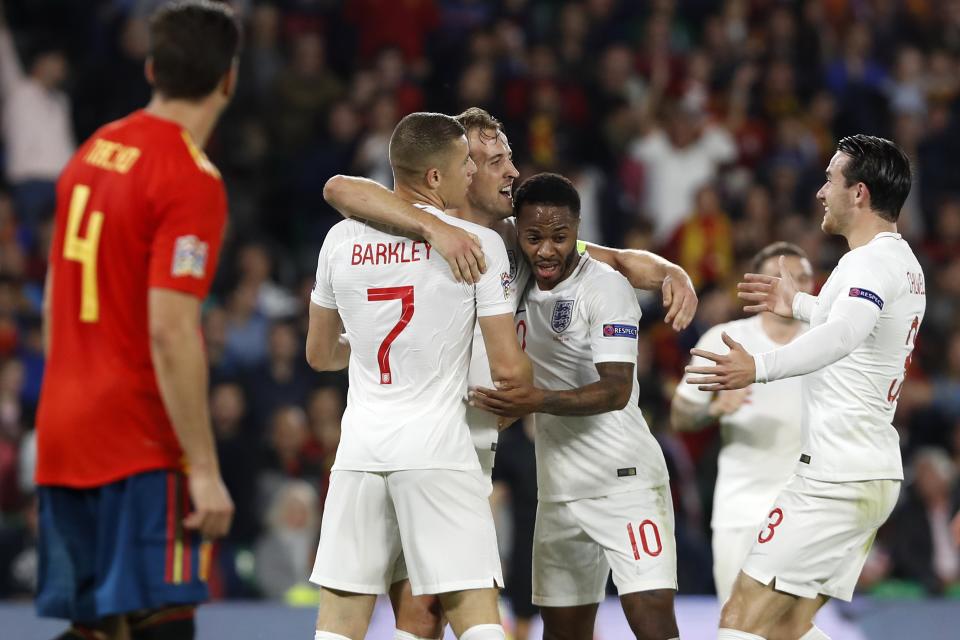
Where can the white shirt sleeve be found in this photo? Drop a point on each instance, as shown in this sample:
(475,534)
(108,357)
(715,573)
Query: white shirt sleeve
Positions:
(613,316)
(853,314)
(804,305)
(720,145)
(493,289)
(322,294)
(711,341)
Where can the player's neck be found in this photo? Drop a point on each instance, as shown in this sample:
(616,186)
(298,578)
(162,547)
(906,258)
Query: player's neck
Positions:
(779,330)
(470,214)
(416,195)
(198,118)
(869,227)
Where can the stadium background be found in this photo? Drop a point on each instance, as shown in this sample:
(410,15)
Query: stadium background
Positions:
(695,128)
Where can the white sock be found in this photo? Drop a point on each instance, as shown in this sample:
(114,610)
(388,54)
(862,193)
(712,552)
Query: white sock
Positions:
(733,634)
(406,635)
(815,633)
(326,635)
(484,632)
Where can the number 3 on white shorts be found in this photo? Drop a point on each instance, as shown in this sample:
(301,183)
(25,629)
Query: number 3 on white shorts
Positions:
(774,520)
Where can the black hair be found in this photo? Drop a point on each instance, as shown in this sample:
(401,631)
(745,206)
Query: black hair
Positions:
(550,189)
(883,167)
(193,43)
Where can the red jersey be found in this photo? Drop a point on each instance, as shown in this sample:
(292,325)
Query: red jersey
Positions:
(138,206)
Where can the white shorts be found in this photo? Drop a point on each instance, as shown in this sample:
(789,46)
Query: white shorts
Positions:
(731,546)
(818,535)
(439,519)
(577,543)
(486,469)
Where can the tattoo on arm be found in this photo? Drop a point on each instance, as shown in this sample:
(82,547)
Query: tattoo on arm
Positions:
(610,393)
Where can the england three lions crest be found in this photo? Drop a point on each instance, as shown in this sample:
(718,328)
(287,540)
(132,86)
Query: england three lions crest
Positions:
(562,315)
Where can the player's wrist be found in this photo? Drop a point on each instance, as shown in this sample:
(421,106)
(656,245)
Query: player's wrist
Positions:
(429,227)
(203,467)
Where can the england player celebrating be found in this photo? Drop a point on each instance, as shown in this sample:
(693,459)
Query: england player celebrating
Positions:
(406,475)
(863,326)
(602,481)
(489,203)
(760,425)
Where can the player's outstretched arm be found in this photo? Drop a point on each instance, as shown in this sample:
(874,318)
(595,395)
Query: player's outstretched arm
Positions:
(327,347)
(849,324)
(176,348)
(648,271)
(361,198)
(610,393)
(11,73)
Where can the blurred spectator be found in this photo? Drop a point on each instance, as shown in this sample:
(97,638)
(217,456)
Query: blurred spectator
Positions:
(678,160)
(373,159)
(284,554)
(37,127)
(238,455)
(18,553)
(112,84)
(255,267)
(385,23)
(245,343)
(303,92)
(284,379)
(324,413)
(286,458)
(215,341)
(921,544)
(262,59)
(703,245)
(946,384)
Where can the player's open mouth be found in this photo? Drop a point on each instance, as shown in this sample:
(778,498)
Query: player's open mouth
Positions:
(547,270)
(507,192)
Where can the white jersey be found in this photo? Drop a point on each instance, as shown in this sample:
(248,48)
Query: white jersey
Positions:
(848,406)
(483,424)
(590,317)
(761,439)
(410,326)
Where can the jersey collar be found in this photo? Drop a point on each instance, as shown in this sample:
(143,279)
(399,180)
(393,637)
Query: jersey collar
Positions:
(429,208)
(887,234)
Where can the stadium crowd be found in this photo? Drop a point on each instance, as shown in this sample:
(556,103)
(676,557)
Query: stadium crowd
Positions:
(698,129)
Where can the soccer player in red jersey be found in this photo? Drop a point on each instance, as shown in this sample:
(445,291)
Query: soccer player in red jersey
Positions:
(128,480)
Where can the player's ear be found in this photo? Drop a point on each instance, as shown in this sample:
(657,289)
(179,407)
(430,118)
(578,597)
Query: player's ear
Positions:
(862,193)
(148,71)
(229,83)
(432,177)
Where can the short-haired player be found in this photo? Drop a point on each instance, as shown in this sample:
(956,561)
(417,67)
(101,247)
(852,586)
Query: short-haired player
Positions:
(853,360)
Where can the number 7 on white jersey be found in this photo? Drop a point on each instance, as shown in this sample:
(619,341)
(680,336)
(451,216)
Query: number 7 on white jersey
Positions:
(405,296)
